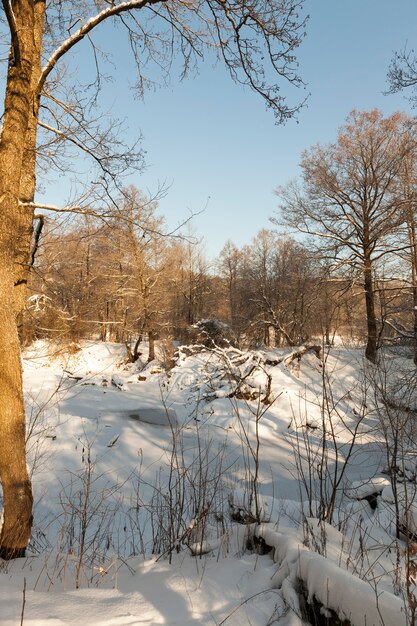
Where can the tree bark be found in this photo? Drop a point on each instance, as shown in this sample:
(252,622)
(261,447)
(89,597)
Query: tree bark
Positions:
(14,248)
(372,331)
(27,184)
(17,494)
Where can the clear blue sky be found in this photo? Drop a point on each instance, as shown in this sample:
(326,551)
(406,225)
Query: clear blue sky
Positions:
(215,144)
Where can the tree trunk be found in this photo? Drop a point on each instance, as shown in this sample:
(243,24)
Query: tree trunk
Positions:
(136,353)
(15,226)
(371,345)
(27,184)
(266,333)
(413,253)
(151,336)
(415,322)
(327,313)
(17,494)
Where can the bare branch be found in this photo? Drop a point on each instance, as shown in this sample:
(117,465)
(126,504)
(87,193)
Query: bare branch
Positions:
(402,73)
(36,238)
(85,29)
(105,216)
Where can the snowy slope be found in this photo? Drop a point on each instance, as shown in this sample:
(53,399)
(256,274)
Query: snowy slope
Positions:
(129,460)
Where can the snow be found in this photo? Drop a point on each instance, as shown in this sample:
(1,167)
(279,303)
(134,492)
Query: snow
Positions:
(362,489)
(167,460)
(188,592)
(348,596)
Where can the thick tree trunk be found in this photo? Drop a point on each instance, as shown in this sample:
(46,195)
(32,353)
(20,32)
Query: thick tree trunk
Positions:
(372,330)
(19,117)
(27,185)
(17,494)
(25,225)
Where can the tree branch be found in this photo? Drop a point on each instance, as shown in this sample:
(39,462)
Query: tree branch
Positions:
(81,146)
(105,216)
(36,238)
(85,29)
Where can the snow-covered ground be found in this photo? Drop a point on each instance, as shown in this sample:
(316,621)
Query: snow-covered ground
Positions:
(141,478)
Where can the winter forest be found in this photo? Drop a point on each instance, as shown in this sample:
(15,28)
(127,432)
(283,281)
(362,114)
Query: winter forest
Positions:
(189,438)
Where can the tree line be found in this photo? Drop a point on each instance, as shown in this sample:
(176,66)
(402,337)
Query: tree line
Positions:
(126,280)
(352,274)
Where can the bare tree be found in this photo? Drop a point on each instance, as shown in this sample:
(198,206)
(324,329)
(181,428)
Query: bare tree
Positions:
(271,287)
(349,200)
(106,278)
(145,263)
(228,262)
(191,282)
(408,190)
(402,73)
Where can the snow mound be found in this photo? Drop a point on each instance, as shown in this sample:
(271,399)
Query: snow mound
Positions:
(348,596)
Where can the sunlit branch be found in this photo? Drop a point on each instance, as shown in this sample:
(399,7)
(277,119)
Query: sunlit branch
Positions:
(85,29)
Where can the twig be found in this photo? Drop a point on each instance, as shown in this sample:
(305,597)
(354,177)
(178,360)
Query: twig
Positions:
(23,602)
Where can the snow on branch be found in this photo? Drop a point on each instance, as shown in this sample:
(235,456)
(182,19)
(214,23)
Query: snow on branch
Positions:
(85,29)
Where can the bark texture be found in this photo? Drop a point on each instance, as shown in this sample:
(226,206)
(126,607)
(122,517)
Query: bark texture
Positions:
(17,494)
(27,185)
(15,225)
